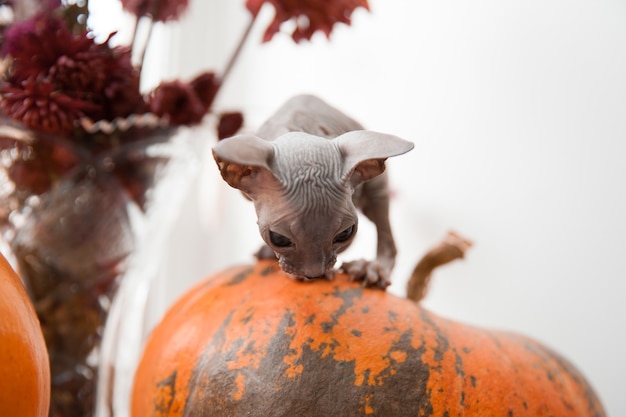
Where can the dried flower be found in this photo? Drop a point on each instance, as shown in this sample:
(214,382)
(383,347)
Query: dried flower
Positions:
(39,106)
(229,124)
(87,79)
(205,86)
(178,101)
(159,10)
(103,76)
(308,15)
(36,44)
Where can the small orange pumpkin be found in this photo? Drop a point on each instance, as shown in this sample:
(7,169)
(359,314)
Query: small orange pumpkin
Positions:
(24,365)
(252,342)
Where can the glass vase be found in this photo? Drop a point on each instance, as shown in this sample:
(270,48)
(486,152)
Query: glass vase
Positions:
(83,220)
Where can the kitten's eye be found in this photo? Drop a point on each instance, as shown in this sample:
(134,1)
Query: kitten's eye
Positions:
(279,240)
(345,235)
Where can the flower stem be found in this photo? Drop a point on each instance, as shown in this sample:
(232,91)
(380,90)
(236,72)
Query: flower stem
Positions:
(144,47)
(450,248)
(235,55)
(154,13)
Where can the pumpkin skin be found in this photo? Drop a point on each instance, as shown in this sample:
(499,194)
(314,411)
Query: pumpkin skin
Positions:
(251,342)
(24,364)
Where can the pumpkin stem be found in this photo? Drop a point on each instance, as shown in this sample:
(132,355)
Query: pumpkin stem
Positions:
(452,247)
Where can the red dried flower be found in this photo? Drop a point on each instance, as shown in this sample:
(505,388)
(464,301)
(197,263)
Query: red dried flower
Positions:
(308,15)
(205,86)
(74,67)
(39,106)
(159,10)
(104,76)
(37,43)
(178,101)
(229,124)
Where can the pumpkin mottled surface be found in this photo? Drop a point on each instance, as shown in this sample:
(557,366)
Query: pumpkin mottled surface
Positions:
(252,342)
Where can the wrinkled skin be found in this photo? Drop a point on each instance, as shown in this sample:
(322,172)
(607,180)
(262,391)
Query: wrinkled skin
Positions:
(307,172)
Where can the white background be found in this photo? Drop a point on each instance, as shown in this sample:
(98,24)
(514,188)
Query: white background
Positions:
(518,113)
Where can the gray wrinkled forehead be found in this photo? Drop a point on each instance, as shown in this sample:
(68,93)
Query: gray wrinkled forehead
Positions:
(300,156)
(310,169)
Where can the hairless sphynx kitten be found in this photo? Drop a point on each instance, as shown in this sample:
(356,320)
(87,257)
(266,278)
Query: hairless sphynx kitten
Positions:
(306,171)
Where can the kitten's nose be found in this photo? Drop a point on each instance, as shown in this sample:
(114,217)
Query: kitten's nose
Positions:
(321,270)
(311,273)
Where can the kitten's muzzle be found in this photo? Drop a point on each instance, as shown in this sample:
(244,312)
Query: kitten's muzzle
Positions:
(309,273)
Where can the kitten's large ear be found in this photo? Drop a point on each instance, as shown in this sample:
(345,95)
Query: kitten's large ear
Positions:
(244,162)
(364,153)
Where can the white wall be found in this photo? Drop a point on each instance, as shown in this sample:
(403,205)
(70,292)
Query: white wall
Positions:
(518,112)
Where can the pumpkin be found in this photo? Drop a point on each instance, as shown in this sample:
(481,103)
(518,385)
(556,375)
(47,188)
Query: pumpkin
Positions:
(251,342)
(24,365)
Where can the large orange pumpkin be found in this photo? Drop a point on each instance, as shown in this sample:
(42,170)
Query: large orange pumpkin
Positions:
(24,366)
(252,342)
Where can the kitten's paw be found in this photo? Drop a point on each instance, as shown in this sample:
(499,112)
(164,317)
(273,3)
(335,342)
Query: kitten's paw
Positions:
(371,273)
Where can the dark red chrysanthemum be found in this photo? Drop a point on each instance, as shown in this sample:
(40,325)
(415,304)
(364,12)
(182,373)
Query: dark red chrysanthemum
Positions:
(98,80)
(159,10)
(37,43)
(39,106)
(309,16)
(104,76)
(178,101)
